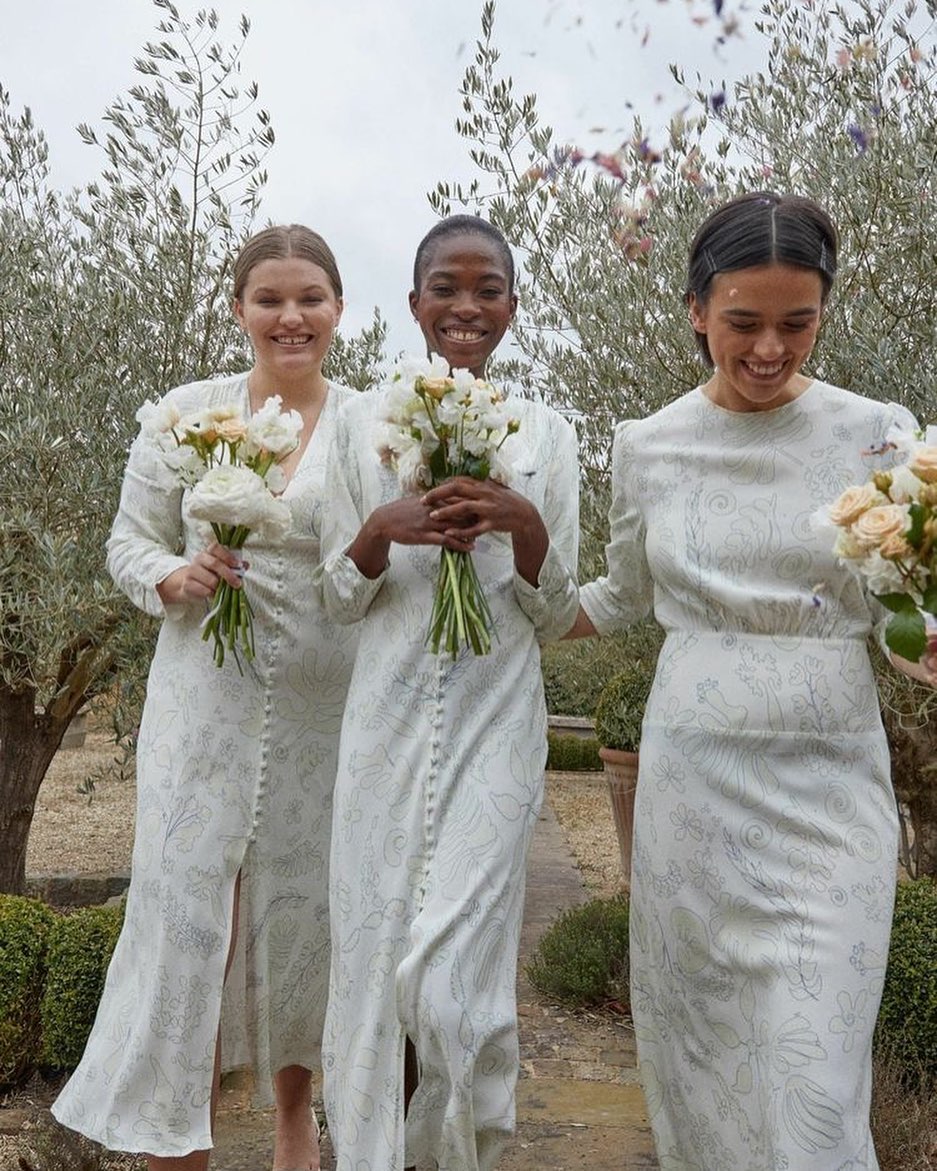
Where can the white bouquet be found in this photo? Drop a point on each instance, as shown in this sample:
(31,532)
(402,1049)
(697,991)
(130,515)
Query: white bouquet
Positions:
(231,466)
(888,535)
(439,425)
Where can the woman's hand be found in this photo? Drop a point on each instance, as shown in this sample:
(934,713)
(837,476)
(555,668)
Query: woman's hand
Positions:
(468,508)
(925,670)
(407,521)
(199,579)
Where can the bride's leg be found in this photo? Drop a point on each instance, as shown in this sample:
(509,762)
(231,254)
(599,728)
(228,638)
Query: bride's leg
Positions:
(297,1134)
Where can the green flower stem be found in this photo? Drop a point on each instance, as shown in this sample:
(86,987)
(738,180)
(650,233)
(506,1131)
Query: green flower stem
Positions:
(461,615)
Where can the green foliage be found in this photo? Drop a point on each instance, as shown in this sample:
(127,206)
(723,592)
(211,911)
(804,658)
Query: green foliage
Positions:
(110,295)
(582,958)
(620,709)
(80,948)
(25,925)
(572,754)
(907,1022)
(574,673)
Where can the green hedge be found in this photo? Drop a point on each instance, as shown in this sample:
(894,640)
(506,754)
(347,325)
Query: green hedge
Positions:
(572,754)
(907,1022)
(25,925)
(582,958)
(80,947)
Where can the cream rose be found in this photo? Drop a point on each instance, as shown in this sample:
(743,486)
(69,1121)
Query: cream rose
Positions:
(895,548)
(924,464)
(234,495)
(880,522)
(853,503)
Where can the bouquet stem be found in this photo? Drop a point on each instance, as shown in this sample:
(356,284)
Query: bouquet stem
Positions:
(230,621)
(461,615)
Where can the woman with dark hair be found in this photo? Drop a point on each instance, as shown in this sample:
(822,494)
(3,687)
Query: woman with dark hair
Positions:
(229,888)
(765,844)
(441,762)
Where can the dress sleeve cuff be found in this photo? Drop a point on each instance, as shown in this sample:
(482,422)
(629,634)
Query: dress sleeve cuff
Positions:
(551,605)
(347,593)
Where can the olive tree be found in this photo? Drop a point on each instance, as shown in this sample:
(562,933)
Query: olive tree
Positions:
(110,295)
(845,110)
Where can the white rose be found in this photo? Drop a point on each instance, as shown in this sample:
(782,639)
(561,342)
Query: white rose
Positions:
(883,577)
(235,495)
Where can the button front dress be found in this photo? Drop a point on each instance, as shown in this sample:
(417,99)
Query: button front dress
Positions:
(439,783)
(234,774)
(765,834)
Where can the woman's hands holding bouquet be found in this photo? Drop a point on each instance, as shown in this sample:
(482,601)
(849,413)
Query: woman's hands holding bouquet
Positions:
(469,508)
(200,578)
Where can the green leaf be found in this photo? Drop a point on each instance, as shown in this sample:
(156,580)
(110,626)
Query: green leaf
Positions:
(898,603)
(905,634)
(915,534)
(930,599)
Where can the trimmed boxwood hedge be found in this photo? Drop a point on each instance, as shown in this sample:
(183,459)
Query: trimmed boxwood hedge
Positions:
(907,1021)
(25,925)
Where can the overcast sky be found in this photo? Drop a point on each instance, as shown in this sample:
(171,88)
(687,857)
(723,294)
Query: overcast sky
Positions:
(363,96)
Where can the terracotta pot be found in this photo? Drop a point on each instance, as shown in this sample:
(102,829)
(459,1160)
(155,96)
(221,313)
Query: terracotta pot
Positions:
(621,770)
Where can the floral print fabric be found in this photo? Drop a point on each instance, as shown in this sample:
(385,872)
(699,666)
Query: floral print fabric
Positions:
(234,773)
(765,827)
(439,783)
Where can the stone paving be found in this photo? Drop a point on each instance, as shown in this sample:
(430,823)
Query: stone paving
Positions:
(578,1103)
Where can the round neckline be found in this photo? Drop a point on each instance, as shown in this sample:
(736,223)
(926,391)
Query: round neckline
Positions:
(772,412)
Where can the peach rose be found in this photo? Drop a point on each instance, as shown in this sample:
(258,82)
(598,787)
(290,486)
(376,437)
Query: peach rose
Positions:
(853,503)
(924,464)
(895,548)
(232,430)
(436,387)
(879,522)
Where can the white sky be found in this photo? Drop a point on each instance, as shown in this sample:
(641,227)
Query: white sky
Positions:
(363,96)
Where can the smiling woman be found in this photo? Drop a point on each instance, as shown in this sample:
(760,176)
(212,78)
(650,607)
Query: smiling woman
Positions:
(224,955)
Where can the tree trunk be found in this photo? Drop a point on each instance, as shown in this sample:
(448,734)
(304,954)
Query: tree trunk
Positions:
(28,741)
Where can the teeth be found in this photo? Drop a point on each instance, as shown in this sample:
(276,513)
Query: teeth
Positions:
(292,341)
(774,368)
(463,335)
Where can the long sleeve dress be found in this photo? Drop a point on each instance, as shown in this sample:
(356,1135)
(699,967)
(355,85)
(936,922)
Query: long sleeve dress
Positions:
(439,783)
(234,774)
(765,841)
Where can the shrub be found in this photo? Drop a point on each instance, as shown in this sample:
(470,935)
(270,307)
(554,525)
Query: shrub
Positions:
(907,1022)
(24,929)
(572,754)
(80,948)
(582,958)
(620,709)
(574,673)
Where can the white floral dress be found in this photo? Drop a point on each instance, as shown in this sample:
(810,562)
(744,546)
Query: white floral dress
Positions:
(439,783)
(765,829)
(234,773)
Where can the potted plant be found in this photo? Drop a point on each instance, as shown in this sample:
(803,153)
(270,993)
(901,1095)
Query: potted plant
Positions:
(618,717)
